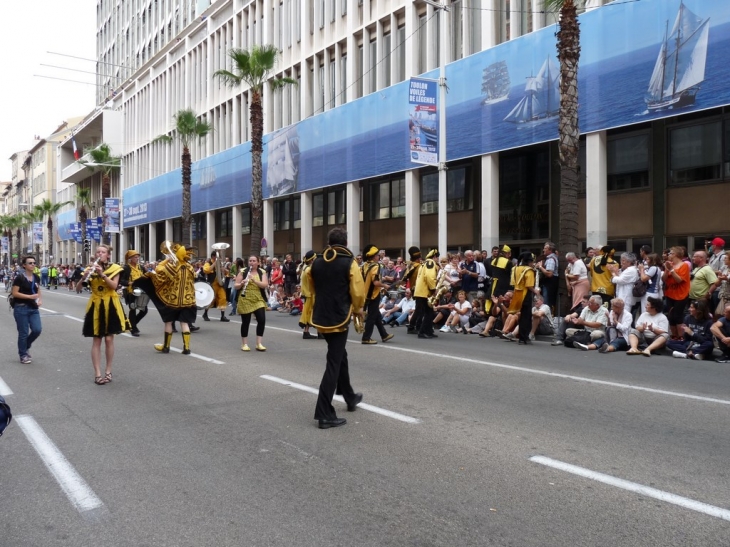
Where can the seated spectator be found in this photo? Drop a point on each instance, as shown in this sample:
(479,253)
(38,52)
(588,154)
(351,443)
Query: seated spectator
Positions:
(721,330)
(696,342)
(387,303)
(459,316)
(652,330)
(476,317)
(542,319)
(443,309)
(402,311)
(570,320)
(593,319)
(277,298)
(617,330)
(296,304)
(497,314)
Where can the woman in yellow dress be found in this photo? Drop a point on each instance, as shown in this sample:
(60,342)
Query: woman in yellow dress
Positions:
(251,283)
(104,312)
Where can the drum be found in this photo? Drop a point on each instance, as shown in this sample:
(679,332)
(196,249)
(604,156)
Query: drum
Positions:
(203,295)
(140,299)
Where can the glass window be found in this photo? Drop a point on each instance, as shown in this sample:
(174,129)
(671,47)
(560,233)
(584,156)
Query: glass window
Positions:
(281,215)
(386,59)
(336,207)
(458,196)
(726,157)
(524,195)
(430,193)
(628,162)
(223,222)
(297,212)
(380,201)
(695,153)
(246,219)
(400,54)
(318,210)
(373,66)
(398,198)
(422,44)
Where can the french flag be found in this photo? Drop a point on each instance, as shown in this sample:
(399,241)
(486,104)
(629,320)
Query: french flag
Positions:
(77,154)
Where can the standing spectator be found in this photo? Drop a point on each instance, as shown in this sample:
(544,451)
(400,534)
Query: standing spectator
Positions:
(650,272)
(676,288)
(27,295)
(576,276)
(721,330)
(289,271)
(44,276)
(703,280)
(53,276)
(696,342)
(550,274)
(277,275)
(590,254)
(339,291)
(600,274)
(716,259)
(724,292)
(469,273)
(625,278)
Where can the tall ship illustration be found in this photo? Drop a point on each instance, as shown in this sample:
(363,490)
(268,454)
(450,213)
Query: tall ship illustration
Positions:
(207,177)
(542,97)
(283,162)
(680,66)
(495,83)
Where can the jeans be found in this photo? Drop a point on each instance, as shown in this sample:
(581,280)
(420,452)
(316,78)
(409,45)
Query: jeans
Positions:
(26,318)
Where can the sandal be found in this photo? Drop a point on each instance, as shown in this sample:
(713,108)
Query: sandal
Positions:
(100,380)
(633,352)
(108,376)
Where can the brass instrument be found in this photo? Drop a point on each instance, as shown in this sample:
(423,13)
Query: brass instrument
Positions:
(358,323)
(220,275)
(167,250)
(442,287)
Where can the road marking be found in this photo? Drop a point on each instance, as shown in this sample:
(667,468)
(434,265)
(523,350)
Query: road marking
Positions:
(431,354)
(635,487)
(364,406)
(78,492)
(5,388)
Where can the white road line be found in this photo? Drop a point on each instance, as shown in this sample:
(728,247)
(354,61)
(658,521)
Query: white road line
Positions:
(75,488)
(5,388)
(74,318)
(559,375)
(635,487)
(364,406)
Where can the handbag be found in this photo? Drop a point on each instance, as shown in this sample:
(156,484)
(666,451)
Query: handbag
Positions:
(639,288)
(581,336)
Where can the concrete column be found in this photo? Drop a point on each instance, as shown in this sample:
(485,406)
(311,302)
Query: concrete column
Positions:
(413,208)
(136,246)
(152,241)
(305,211)
(490,21)
(489,233)
(411,44)
(168,230)
(353,216)
(268,211)
(538,16)
(209,231)
(237,242)
(123,245)
(596,190)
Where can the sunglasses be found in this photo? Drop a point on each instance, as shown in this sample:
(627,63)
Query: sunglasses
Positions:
(30,263)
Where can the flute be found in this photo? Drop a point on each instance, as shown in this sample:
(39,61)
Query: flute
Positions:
(91,271)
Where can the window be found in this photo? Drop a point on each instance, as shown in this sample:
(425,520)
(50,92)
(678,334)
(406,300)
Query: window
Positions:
(318,210)
(695,153)
(281,215)
(199,226)
(458,191)
(360,74)
(297,212)
(422,44)
(400,54)
(336,207)
(386,59)
(223,222)
(388,199)
(628,162)
(524,194)
(246,219)
(373,72)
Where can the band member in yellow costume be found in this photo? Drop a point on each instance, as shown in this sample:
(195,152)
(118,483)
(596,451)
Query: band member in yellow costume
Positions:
(410,276)
(251,282)
(305,278)
(137,305)
(425,286)
(104,312)
(219,300)
(172,288)
(373,285)
(523,280)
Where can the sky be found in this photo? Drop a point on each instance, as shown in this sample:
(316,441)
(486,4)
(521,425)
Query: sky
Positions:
(30,105)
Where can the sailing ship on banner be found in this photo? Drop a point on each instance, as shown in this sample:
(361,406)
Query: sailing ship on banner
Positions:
(542,97)
(680,66)
(495,83)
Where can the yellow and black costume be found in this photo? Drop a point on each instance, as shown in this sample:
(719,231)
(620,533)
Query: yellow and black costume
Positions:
(137,305)
(425,285)
(500,270)
(219,299)
(371,277)
(104,312)
(307,291)
(410,276)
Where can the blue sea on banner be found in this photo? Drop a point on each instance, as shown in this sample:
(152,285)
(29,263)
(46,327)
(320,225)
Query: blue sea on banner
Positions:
(222,180)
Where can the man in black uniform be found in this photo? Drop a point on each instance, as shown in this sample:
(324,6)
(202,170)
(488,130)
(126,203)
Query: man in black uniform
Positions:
(339,293)
(373,285)
(410,275)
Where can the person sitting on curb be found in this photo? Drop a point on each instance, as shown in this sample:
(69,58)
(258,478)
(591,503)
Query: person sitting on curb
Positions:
(497,314)
(696,340)
(721,330)
(570,320)
(542,319)
(652,330)
(617,330)
(593,319)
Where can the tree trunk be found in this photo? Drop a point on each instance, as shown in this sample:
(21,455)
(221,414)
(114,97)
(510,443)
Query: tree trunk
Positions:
(257,132)
(568,129)
(186,196)
(49,225)
(82,221)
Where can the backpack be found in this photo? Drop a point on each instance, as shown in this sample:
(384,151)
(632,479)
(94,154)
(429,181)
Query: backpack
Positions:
(5,415)
(639,288)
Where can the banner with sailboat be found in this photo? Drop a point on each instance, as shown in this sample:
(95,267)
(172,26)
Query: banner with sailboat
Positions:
(423,121)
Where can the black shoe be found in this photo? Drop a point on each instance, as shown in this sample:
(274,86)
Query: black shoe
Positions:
(135,333)
(336,422)
(356,401)
(205,317)
(524,343)
(421,335)
(320,336)
(722,360)
(308,336)
(193,328)
(411,331)
(224,319)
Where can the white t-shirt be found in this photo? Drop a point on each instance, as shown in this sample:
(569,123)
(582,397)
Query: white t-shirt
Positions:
(465,305)
(578,268)
(659,321)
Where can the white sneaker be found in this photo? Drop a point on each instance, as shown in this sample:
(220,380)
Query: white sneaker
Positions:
(532,337)
(556,343)
(581,346)
(445,328)
(679,355)
(509,336)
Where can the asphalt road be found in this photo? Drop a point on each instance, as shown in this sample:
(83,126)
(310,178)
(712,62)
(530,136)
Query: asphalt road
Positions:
(475,445)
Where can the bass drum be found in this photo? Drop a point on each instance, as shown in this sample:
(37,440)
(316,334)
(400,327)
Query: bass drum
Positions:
(203,295)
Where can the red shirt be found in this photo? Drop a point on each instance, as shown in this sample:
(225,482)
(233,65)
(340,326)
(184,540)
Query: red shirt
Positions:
(678,290)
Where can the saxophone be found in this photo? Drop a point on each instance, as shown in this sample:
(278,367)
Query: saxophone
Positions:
(442,287)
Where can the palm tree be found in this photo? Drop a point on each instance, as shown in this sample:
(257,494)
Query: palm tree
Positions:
(102,161)
(187,127)
(253,68)
(568,46)
(8,223)
(47,209)
(83,200)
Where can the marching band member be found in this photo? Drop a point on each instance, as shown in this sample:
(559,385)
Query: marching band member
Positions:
(523,280)
(172,288)
(371,277)
(252,300)
(425,285)
(132,272)
(219,300)
(410,275)
(307,295)
(104,312)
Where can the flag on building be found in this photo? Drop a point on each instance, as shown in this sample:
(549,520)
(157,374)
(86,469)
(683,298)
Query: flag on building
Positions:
(77,154)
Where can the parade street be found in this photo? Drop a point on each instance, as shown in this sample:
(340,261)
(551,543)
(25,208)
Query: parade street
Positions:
(459,441)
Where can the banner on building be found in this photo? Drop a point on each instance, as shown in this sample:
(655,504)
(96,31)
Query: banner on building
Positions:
(93,228)
(37,233)
(4,244)
(423,121)
(111,216)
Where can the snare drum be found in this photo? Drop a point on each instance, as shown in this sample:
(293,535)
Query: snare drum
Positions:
(140,300)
